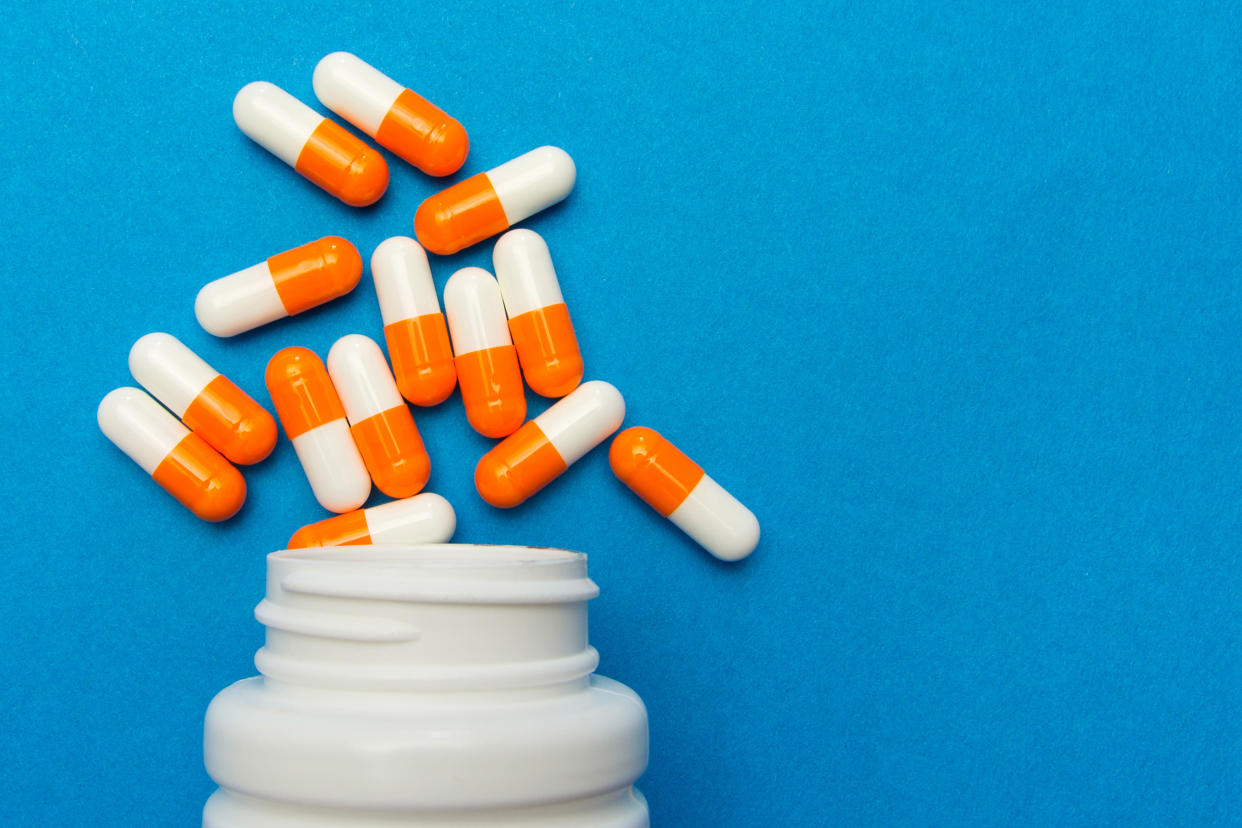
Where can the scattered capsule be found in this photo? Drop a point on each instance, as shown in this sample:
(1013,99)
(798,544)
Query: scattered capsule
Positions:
(487,364)
(285,285)
(205,400)
(537,453)
(489,203)
(319,149)
(314,420)
(414,327)
(379,419)
(176,458)
(397,118)
(675,486)
(424,518)
(538,319)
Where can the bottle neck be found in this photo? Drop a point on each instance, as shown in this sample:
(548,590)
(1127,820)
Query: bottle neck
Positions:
(437,619)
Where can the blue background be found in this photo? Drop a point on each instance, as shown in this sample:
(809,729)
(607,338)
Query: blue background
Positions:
(948,295)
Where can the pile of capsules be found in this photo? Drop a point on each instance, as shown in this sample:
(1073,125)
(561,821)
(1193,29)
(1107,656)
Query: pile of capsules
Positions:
(348,421)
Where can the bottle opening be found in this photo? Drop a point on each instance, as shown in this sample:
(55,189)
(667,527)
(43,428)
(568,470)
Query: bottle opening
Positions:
(434,556)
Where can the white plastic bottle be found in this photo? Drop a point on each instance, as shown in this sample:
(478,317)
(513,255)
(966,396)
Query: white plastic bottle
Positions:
(431,686)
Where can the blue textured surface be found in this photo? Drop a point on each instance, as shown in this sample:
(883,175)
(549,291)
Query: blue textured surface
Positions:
(950,296)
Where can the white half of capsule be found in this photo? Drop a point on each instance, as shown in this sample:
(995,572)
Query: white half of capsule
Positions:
(718,521)
(275,120)
(362,379)
(403,282)
(423,518)
(475,311)
(525,272)
(533,182)
(355,90)
(170,371)
(583,419)
(239,302)
(139,426)
(333,466)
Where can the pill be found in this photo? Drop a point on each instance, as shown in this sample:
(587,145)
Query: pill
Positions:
(537,453)
(383,430)
(285,285)
(175,457)
(487,364)
(538,319)
(675,486)
(489,203)
(397,118)
(320,149)
(205,400)
(311,413)
(414,327)
(424,518)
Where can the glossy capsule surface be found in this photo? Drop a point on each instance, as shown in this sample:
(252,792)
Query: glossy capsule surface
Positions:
(283,285)
(321,150)
(539,451)
(539,323)
(424,518)
(205,400)
(487,364)
(379,420)
(676,487)
(414,326)
(178,460)
(491,202)
(314,420)
(398,119)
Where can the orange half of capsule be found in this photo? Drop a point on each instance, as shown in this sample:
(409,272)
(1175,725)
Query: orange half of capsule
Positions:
(548,350)
(302,391)
(517,468)
(349,529)
(464,214)
(492,390)
(313,273)
(344,166)
(657,471)
(424,135)
(422,358)
(202,480)
(393,452)
(227,418)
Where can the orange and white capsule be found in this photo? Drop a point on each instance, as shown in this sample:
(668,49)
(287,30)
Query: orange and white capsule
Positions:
(379,419)
(397,118)
(675,486)
(538,319)
(205,400)
(175,457)
(424,518)
(492,202)
(321,150)
(285,285)
(487,364)
(414,327)
(537,453)
(311,413)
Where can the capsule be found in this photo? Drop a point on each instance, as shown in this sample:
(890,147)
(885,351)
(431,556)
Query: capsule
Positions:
(487,364)
(319,149)
(492,202)
(205,400)
(379,420)
(175,457)
(285,285)
(675,486)
(311,412)
(537,453)
(397,118)
(424,518)
(538,319)
(414,327)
